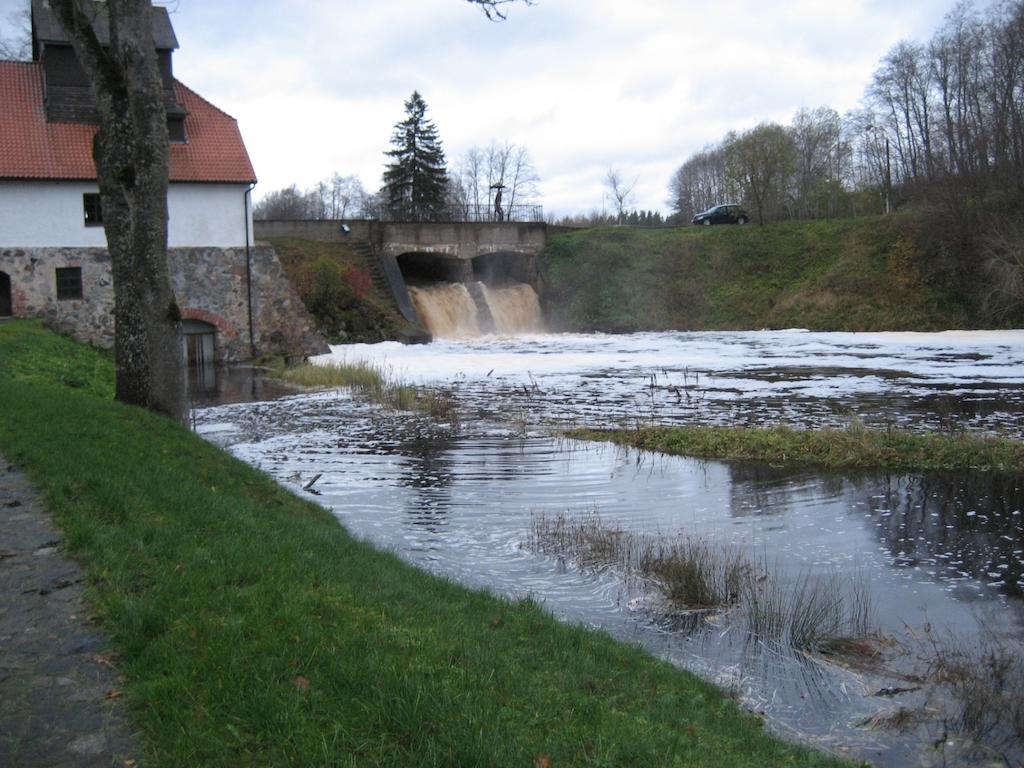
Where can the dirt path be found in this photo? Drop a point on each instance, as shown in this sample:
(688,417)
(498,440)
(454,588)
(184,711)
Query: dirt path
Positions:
(59,693)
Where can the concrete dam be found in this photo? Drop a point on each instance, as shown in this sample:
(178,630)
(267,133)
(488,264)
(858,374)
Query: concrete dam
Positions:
(449,280)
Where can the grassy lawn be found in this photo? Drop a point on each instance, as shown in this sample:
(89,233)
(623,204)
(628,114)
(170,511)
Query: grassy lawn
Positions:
(854,448)
(252,630)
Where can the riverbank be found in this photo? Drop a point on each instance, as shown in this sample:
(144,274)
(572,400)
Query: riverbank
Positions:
(854,448)
(253,630)
(865,274)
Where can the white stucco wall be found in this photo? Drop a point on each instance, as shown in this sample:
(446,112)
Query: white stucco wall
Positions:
(41,214)
(49,214)
(207,215)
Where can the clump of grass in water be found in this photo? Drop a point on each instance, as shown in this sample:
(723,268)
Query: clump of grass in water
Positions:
(377,384)
(359,376)
(811,614)
(693,572)
(986,681)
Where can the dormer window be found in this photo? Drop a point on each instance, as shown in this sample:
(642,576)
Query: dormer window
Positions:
(176,130)
(69,99)
(93,209)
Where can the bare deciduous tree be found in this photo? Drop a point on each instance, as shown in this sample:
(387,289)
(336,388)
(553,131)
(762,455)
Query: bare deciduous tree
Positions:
(699,183)
(131,153)
(620,190)
(760,162)
(16,40)
(819,158)
(481,168)
(494,9)
(336,197)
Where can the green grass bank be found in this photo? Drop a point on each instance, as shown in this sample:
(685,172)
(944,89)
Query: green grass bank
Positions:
(252,630)
(835,449)
(866,274)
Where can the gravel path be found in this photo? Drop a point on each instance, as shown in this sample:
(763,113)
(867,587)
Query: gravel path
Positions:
(59,692)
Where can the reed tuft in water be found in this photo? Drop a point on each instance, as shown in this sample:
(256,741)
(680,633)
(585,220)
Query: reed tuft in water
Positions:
(986,682)
(812,613)
(376,383)
(359,375)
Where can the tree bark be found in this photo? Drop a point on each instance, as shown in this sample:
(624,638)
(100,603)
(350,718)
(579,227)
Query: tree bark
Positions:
(131,154)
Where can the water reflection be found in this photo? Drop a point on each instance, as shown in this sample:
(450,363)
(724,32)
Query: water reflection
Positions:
(210,384)
(964,527)
(760,489)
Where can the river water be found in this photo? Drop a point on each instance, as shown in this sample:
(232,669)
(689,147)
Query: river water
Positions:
(942,555)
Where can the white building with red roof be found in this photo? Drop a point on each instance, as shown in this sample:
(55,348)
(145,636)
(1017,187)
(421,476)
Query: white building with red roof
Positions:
(53,260)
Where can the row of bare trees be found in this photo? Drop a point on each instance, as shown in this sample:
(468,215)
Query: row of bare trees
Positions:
(946,115)
(336,197)
(955,106)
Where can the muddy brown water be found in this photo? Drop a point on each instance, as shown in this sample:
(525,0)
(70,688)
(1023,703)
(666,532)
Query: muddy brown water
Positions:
(941,554)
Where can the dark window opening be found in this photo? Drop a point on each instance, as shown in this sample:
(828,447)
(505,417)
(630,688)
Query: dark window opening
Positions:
(69,283)
(176,130)
(93,209)
(6,305)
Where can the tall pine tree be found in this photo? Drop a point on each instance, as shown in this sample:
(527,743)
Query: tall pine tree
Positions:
(416,181)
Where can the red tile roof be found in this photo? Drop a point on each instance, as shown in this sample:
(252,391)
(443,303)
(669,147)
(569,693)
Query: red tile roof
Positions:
(32,148)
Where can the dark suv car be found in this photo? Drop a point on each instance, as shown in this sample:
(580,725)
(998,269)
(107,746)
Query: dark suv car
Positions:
(722,214)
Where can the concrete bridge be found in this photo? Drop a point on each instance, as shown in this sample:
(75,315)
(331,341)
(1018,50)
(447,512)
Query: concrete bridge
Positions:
(401,253)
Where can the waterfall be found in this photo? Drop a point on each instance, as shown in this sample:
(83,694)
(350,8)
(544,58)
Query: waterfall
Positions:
(448,310)
(515,309)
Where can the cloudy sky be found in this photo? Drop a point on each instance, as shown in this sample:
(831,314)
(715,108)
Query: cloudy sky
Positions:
(587,85)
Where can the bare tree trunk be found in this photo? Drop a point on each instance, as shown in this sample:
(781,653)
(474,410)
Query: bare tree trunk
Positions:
(131,153)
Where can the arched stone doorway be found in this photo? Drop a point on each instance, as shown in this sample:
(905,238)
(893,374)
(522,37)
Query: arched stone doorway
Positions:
(6,304)
(201,354)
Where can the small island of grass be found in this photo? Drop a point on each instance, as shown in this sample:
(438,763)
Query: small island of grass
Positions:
(854,448)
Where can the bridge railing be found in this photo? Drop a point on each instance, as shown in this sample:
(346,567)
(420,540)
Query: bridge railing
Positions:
(467,213)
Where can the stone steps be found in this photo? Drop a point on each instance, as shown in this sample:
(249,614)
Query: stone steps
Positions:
(372,265)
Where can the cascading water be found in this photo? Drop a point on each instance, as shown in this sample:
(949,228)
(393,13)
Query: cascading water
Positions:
(515,308)
(446,309)
(449,312)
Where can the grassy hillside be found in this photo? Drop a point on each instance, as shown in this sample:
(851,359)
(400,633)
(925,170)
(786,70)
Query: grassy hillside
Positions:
(856,274)
(338,291)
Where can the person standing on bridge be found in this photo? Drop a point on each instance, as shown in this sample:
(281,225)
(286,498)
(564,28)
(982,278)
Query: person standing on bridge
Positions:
(499,213)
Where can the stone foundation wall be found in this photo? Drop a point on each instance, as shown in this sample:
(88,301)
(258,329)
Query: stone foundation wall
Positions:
(34,290)
(210,285)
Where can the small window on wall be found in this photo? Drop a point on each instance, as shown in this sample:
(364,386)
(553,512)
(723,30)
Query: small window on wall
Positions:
(69,283)
(93,209)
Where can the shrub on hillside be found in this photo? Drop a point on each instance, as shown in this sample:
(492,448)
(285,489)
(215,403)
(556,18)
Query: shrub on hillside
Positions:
(330,296)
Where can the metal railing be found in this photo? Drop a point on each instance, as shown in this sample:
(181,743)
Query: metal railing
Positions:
(467,213)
